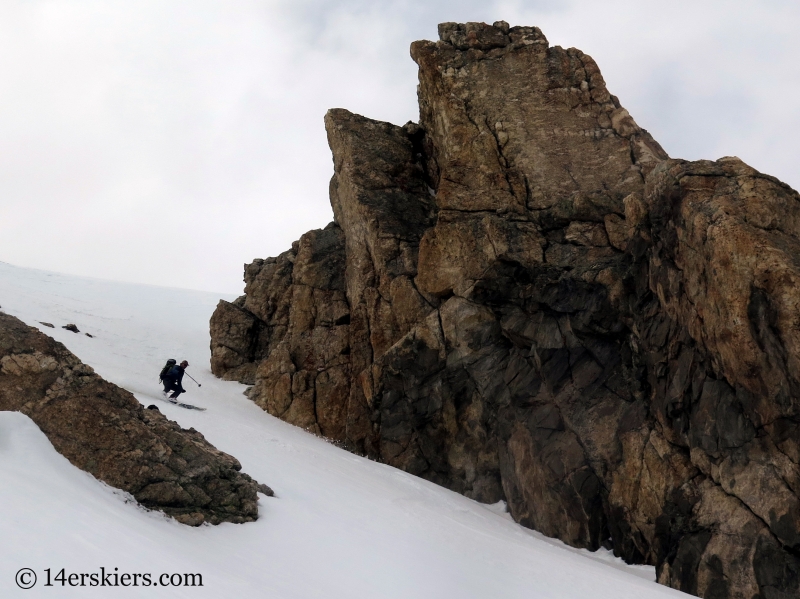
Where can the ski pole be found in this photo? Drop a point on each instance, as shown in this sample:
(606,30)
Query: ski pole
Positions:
(190,376)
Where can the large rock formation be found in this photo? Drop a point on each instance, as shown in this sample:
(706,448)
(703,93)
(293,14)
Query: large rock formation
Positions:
(103,430)
(523,298)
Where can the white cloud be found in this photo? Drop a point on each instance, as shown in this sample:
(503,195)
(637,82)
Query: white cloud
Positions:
(170,142)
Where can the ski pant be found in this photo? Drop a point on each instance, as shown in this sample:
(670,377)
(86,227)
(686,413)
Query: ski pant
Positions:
(174,386)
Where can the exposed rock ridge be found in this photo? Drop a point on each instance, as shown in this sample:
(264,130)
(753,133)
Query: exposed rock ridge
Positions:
(534,303)
(103,430)
(715,328)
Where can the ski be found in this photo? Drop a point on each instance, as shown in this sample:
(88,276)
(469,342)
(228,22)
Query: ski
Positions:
(187,406)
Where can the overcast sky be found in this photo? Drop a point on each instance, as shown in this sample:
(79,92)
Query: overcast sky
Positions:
(169,142)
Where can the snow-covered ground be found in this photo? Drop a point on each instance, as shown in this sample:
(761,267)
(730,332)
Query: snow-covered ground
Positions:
(340,526)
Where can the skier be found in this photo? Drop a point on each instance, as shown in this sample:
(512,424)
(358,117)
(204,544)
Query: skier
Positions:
(172,381)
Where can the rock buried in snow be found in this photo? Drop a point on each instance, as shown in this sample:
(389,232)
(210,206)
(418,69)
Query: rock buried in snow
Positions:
(193,519)
(105,431)
(47,324)
(71,327)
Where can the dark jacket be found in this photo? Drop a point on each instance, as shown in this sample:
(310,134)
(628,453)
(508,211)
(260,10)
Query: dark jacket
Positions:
(176,373)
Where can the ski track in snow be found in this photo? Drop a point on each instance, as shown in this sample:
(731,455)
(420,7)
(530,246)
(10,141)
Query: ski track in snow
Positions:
(340,526)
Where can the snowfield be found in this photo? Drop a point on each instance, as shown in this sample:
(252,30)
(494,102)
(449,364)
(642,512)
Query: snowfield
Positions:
(340,526)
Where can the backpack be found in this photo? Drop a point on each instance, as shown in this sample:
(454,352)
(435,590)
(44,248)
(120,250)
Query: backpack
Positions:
(170,363)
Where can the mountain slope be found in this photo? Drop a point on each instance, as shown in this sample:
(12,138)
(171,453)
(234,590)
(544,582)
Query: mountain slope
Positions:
(341,525)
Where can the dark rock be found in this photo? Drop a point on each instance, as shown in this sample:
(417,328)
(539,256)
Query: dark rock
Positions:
(47,324)
(71,327)
(523,297)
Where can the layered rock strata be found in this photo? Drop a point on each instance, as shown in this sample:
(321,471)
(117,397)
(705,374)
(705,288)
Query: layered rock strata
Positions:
(523,298)
(103,430)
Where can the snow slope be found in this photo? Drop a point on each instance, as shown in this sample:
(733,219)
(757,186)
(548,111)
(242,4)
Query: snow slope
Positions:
(341,525)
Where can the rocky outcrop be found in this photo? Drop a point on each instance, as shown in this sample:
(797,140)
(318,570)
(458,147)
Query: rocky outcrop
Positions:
(715,326)
(523,298)
(103,430)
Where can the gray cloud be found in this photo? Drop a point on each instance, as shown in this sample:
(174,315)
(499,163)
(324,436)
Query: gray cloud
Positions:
(169,142)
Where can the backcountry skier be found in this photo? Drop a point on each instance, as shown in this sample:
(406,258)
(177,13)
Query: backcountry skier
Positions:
(172,381)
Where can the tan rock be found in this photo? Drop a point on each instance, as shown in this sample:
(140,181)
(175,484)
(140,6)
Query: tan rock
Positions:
(618,231)
(588,234)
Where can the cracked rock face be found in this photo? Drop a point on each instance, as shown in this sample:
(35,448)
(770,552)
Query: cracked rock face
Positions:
(103,430)
(523,298)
